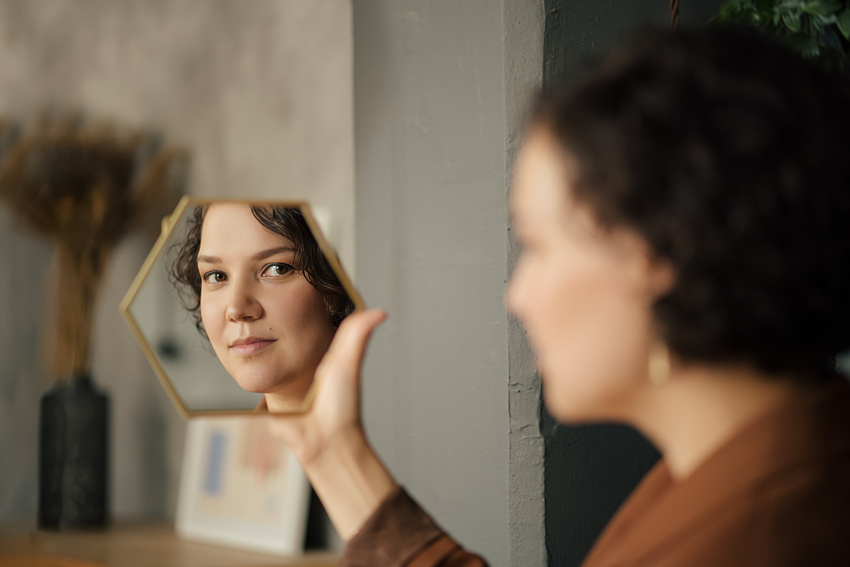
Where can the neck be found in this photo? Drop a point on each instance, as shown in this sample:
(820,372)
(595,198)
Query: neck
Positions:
(289,397)
(700,408)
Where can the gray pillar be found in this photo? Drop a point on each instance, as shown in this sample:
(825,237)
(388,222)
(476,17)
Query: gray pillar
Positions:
(450,395)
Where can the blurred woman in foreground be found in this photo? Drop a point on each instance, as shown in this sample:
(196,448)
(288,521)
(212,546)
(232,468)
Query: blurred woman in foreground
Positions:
(685,220)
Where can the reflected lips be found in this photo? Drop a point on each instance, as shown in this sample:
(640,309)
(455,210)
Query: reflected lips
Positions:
(249,346)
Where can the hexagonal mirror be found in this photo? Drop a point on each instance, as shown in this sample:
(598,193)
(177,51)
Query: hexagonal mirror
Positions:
(236,304)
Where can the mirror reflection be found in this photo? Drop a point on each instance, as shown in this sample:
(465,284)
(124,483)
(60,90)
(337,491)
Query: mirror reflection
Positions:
(237,304)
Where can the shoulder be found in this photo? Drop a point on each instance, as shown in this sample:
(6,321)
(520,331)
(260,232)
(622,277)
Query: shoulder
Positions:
(778,494)
(802,516)
(798,517)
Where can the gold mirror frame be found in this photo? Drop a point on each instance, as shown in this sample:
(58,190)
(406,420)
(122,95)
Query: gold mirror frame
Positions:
(169,225)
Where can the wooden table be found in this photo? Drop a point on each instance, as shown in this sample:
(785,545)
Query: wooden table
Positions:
(133,545)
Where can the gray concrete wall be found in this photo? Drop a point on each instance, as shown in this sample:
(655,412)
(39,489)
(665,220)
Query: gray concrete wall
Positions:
(523,75)
(450,398)
(260,92)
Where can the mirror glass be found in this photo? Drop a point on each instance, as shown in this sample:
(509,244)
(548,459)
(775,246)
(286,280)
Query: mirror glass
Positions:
(236,304)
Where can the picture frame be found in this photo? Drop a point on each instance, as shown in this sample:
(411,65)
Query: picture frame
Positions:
(241,487)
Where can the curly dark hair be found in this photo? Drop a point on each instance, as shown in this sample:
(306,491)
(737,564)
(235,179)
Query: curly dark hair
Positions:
(288,222)
(729,155)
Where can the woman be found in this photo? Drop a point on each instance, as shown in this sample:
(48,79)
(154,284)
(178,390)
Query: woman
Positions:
(264,295)
(684,219)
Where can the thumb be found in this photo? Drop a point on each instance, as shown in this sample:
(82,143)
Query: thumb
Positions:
(349,346)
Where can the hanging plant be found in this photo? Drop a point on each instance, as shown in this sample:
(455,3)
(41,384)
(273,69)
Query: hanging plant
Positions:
(817,29)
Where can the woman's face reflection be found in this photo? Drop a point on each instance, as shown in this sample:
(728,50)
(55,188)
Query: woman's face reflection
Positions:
(268,325)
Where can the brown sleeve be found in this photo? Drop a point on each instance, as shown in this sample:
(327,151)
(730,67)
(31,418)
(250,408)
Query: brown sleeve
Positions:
(399,533)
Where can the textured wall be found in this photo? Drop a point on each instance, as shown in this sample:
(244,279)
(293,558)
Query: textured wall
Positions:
(450,397)
(523,76)
(260,92)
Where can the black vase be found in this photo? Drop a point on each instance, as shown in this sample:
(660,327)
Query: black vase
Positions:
(74,456)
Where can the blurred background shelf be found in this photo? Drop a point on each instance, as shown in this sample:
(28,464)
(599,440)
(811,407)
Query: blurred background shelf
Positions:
(133,545)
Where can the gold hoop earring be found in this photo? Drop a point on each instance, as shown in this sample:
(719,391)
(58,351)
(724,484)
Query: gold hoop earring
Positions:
(659,363)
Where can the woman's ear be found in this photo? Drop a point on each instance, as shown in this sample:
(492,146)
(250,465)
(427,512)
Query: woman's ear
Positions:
(645,268)
(662,276)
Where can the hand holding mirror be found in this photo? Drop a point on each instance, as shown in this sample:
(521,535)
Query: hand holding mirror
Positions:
(237,304)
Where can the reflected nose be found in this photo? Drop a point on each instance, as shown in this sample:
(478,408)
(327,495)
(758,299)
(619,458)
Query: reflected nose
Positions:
(242,305)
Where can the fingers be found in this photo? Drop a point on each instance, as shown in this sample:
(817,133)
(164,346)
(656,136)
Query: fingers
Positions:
(335,409)
(349,345)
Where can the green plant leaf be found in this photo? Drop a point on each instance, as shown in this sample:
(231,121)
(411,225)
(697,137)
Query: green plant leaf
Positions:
(730,12)
(792,21)
(821,7)
(741,12)
(843,23)
(814,25)
(737,12)
(817,29)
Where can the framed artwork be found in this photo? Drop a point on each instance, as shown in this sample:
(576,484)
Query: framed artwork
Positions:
(241,487)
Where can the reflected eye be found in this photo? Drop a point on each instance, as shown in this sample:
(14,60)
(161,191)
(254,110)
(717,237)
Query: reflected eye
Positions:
(277,269)
(214,277)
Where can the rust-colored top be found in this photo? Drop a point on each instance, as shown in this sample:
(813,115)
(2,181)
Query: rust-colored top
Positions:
(401,533)
(777,494)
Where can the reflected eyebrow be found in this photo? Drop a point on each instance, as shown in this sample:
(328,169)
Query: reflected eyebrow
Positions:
(261,255)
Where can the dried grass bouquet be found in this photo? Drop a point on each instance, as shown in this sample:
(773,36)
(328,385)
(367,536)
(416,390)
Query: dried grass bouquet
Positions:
(85,186)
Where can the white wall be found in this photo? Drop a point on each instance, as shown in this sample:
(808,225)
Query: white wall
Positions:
(260,92)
